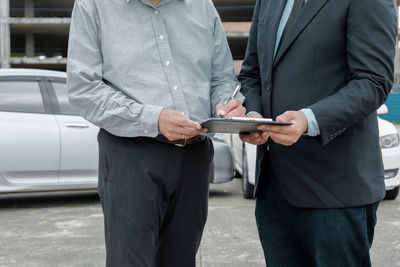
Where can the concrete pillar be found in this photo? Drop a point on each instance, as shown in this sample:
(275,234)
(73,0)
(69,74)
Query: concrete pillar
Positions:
(29,45)
(29,37)
(29,9)
(5,50)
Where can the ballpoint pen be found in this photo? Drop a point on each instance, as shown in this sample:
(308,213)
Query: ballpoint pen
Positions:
(235,92)
(233,96)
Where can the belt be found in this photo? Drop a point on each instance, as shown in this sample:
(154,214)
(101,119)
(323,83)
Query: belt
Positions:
(181,142)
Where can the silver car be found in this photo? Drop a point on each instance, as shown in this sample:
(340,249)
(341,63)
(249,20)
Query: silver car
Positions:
(46,146)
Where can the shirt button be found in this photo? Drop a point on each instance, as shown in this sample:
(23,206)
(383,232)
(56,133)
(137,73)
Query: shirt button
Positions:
(161,37)
(175,87)
(167,62)
(156,12)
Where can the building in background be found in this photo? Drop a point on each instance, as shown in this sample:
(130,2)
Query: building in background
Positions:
(34,33)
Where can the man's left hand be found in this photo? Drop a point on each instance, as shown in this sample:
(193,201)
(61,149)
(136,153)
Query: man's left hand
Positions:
(287,135)
(233,108)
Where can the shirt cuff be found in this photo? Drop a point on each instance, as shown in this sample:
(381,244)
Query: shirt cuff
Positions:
(149,121)
(313,126)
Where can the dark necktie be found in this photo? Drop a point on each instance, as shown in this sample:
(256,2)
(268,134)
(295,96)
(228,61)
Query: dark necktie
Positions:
(297,6)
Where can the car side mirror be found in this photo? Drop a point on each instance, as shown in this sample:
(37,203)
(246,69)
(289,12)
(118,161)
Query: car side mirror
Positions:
(383,110)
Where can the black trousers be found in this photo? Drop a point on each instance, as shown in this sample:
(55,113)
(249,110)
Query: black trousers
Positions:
(292,236)
(154,197)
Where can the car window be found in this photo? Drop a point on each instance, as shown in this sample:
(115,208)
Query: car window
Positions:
(61,91)
(21,96)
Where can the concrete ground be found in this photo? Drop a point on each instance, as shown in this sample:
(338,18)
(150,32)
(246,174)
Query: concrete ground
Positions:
(66,229)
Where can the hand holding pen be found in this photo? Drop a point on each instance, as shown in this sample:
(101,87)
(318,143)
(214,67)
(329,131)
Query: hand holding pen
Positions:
(233,107)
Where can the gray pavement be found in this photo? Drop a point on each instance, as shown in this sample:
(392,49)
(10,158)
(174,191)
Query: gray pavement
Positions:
(66,229)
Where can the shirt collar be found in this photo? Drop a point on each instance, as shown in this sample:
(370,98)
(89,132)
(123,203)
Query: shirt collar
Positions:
(127,1)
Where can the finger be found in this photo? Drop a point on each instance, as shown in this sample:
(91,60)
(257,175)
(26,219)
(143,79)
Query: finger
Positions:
(282,139)
(223,109)
(249,135)
(198,131)
(242,135)
(174,136)
(286,117)
(239,111)
(255,135)
(281,129)
(259,140)
(181,134)
(254,138)
(254,115)
(261,136)
(203,130)
(179,119)
(185,122)
(246,137)
(189,134)
(220,110)
(189,131)
(248,140)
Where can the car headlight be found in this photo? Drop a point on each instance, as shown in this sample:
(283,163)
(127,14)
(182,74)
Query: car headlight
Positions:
(391,173)
(388,141)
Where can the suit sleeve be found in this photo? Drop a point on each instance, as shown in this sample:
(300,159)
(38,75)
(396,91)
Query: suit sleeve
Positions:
(250,73)
(371,39)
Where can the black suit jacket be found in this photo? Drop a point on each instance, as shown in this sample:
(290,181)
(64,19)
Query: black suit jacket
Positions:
(336,60)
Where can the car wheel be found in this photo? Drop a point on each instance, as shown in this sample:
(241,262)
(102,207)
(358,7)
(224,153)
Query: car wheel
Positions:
(247,187)
(392,194)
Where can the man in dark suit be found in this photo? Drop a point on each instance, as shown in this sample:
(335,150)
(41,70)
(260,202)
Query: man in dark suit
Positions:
(326,66)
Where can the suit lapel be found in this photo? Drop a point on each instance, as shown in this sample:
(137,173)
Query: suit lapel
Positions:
(309,11)
(274,14)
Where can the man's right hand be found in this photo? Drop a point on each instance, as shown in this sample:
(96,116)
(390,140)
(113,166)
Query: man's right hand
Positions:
(254,138)
(174,126)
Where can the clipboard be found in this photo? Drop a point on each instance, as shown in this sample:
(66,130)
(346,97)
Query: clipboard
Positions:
(238,124)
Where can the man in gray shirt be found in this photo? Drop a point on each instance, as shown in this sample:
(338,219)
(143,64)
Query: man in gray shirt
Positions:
(146,72)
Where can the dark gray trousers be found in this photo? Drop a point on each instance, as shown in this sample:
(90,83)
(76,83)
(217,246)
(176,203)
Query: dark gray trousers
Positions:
(306,237)
(154,197)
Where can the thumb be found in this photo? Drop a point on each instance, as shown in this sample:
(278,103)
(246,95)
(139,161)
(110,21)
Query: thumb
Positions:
(285,117)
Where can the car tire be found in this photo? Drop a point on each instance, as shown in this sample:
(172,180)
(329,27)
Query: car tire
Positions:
(392,194)
(248,188)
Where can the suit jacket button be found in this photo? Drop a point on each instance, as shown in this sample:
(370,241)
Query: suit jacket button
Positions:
(268,87)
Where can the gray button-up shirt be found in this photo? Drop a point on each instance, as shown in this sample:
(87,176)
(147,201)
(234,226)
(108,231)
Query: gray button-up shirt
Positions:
(128,60)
